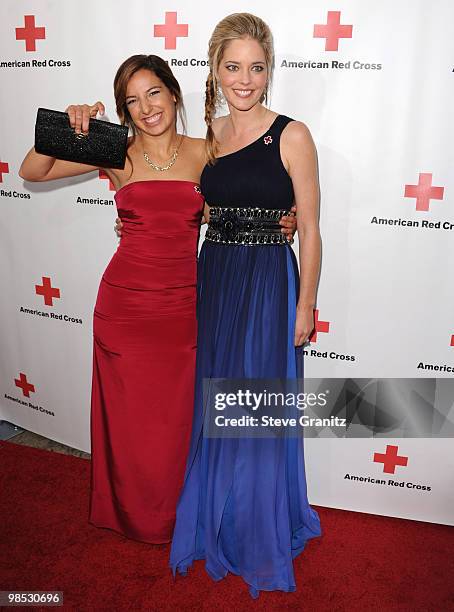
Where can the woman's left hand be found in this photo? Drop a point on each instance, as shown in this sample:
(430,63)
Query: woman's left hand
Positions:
(288,223)
(304,324)
(118,227)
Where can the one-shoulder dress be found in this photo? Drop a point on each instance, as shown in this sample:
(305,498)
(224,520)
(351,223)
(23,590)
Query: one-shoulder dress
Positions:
(145,332)
(244,506)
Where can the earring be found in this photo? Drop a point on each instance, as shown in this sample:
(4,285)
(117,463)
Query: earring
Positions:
(264,96)
(220,97)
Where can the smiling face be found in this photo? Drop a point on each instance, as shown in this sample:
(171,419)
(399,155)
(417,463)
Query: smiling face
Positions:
(150,103)
(242,73)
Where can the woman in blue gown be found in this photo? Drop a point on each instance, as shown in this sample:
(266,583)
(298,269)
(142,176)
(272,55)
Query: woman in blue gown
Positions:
(244,506)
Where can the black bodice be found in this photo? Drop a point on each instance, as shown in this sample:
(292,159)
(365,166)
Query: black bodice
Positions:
(254,176)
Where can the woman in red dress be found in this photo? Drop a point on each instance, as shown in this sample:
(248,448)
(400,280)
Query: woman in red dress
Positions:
(145,319)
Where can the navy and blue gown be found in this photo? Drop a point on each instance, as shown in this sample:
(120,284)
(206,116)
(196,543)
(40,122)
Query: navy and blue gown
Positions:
(244,506)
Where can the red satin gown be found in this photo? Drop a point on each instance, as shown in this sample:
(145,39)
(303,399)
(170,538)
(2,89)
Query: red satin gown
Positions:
(144,361)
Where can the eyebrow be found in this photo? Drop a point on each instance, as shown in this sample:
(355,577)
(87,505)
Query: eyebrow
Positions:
(233,62)
(148,90)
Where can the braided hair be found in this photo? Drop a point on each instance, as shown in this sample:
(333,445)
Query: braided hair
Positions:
(233,27)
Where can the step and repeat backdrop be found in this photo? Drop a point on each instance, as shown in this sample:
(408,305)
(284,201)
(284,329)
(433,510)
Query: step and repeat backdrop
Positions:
(374,83)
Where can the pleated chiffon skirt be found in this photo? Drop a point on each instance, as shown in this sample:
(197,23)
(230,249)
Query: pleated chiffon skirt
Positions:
(244,506)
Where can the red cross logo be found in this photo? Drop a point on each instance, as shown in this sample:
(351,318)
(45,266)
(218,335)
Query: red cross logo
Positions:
(171,30)
(320,326)
(423,191)
(103,175)
(23,384)
(332,31)
(30,33)
(390,459)
(47,291)
(4,169)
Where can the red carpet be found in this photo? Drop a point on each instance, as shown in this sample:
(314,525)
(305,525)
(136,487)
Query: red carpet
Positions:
(362,562)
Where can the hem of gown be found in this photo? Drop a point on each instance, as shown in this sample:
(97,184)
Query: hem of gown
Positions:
(127,535)
(182,567)
(299,540)
(104,514)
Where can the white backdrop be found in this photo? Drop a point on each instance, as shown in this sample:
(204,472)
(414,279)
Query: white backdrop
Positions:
(378,101)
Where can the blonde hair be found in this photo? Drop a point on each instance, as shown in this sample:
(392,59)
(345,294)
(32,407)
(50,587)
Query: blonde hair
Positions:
(233,27)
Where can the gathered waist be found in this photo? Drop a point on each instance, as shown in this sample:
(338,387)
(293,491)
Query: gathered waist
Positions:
(158,246)
(248,226)
(139,271)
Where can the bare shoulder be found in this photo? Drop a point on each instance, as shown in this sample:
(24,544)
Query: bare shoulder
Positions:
(298,149)
(196,148)
(196,144)
(296,135)
(119,176)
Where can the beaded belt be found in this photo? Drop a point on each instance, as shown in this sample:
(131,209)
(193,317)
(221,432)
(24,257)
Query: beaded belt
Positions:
(251,226)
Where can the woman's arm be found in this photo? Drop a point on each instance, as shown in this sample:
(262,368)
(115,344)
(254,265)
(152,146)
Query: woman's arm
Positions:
(300,153)
(206,213)
(38,167)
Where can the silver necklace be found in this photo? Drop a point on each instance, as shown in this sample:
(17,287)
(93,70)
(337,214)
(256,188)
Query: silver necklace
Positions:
(162,168)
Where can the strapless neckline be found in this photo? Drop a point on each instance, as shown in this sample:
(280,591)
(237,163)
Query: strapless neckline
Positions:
(156,181)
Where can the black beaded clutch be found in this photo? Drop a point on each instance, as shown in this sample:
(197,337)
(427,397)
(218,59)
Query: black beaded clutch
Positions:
(105,144)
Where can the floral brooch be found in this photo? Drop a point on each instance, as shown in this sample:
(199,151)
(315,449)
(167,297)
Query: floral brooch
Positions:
(267,140)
